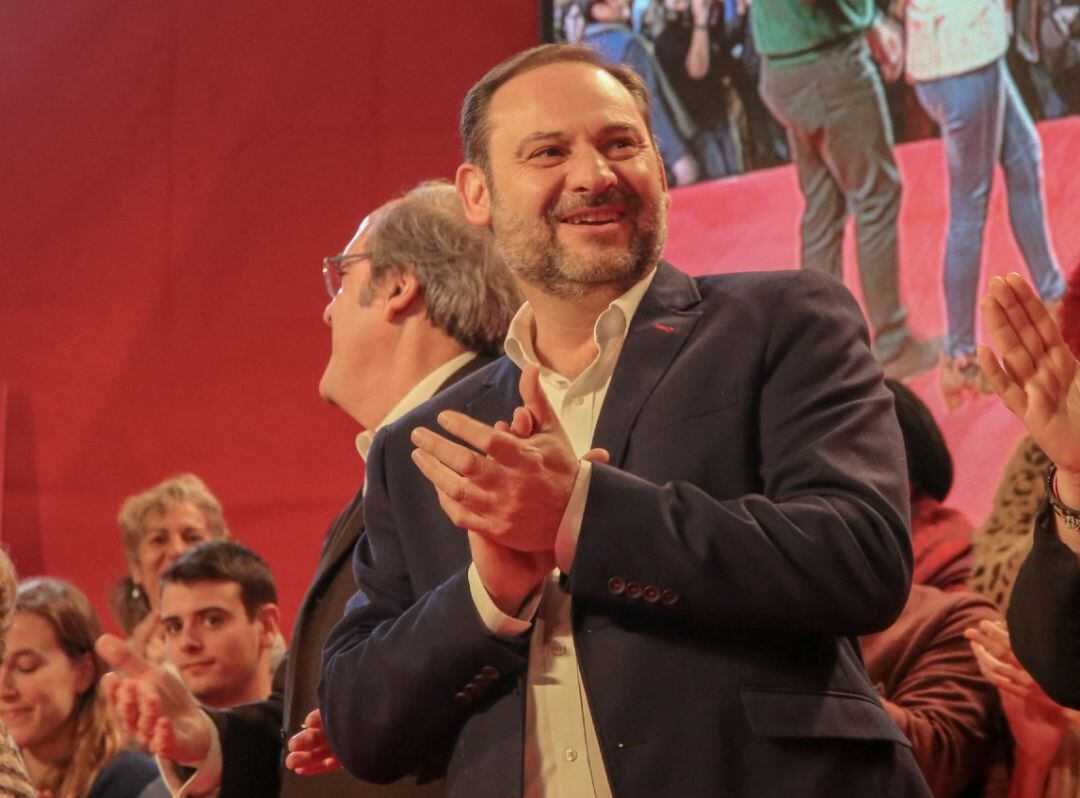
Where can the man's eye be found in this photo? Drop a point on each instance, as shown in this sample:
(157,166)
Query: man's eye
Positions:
(547,152)
(214,619)
(171,629)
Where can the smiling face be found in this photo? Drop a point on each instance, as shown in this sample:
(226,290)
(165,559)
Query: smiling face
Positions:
(165,536)
(217,648)
(39,687)
(575,191)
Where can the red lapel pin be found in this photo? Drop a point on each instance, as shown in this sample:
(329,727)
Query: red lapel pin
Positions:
(663,327)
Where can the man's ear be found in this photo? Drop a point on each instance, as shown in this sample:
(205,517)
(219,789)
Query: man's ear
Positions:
(404,290)
(475,196)
(268,617)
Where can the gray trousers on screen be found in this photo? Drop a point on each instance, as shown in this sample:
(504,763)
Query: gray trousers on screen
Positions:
(841,142)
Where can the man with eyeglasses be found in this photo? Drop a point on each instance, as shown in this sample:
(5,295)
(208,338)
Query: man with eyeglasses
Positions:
(418,299)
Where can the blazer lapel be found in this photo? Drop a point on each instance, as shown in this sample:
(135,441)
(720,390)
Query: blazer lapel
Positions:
(501,396)
(663,321)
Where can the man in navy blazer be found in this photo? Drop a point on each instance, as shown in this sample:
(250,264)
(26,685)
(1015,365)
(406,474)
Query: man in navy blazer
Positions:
(683,497)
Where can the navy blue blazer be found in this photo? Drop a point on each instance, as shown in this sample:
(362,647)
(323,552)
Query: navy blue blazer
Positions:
(753,518)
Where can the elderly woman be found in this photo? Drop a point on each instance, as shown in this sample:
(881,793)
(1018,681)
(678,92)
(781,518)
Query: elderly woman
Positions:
(158,526)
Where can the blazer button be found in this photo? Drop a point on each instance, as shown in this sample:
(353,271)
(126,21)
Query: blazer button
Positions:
(616,585)
(490,671)
(474,690)
(650,593)
(633,590)
(668,596)
(462,698)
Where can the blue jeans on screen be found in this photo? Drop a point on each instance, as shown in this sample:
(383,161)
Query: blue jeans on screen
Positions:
(983,122)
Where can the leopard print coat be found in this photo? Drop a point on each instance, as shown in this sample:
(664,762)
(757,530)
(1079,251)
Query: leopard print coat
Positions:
(1004,539)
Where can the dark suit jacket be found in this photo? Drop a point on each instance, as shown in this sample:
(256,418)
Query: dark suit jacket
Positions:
(1044,614)
(252,734)
(754,515)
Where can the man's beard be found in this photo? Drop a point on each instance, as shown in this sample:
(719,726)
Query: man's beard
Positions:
(532,250)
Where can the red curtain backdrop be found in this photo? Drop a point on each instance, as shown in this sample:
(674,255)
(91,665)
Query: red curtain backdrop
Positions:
(171,174)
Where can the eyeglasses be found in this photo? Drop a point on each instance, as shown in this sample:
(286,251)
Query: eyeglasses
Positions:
(333,270)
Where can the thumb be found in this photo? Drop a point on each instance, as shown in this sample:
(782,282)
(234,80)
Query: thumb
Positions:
(597,456)
(313,719)
(119,656)
(535,401)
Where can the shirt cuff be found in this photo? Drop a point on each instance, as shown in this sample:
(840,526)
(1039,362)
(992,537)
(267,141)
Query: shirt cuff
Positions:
(495,620)
(566,538)
(206,778)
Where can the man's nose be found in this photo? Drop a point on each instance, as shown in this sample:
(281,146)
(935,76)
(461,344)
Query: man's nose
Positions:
(590,172)
(326,311)
(189,640)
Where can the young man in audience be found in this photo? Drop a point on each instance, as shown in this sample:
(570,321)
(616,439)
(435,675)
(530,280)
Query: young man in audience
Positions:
(220,614)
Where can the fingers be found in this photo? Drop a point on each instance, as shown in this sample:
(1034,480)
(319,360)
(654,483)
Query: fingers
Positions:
(1011,394)
(459,459)
(305,764)
(536,401)
(1006,320)
(309,752)
(522,425)
(119,656)
(162,738)
(597,456)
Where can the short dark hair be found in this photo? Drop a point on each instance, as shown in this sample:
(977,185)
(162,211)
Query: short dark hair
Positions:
(226,561)
(930,466)
(475,130)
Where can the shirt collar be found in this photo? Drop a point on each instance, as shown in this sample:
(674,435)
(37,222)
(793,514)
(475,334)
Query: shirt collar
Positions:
(420,393)
(613,323)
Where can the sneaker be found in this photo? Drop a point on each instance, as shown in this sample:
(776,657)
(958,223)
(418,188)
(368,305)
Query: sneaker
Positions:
(914,357)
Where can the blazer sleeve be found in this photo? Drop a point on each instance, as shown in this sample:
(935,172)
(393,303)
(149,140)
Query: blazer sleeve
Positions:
(1044,614)
(402,672)
(251,743)
(821,545)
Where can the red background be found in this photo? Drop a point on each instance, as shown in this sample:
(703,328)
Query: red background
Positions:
(171,174)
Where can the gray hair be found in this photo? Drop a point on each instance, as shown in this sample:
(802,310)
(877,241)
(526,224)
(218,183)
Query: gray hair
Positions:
(469,293)
(160,498)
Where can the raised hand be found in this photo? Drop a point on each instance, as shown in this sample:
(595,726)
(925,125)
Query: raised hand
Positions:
(515,491)
(154,705)
(309,753)
(1037,378)
(1038,724)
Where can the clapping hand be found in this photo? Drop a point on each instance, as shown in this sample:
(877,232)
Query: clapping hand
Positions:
(155,707)
(309,753)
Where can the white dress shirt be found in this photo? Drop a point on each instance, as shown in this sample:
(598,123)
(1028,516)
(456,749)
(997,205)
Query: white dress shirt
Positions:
(562,754)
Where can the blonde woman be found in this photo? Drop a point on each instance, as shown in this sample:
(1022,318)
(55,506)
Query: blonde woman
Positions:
(71,741)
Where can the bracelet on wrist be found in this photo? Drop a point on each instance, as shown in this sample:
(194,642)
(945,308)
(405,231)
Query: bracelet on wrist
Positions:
(1069,515)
